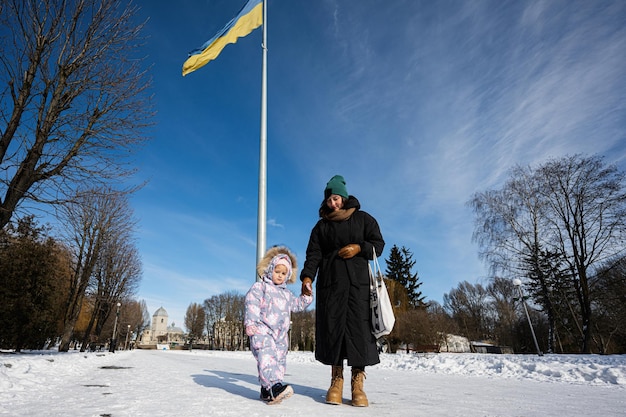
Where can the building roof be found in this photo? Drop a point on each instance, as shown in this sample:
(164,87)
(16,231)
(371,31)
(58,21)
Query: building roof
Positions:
(160,312)
(174,329)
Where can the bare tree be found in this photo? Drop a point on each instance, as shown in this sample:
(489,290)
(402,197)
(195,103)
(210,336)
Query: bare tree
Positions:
(142,317)
(116,277)
(401,307)
(609,293)
(469,305)
(511,228)
(235,311)
(441,321)
(92,221)
(194,322)
(224,320)
(213,314)
(588,204)
(502,294)
(556,225)
(302,336)
(73,98)
(509,222)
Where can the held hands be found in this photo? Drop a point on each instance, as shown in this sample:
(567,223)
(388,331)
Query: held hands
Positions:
(306,286)
(349,251)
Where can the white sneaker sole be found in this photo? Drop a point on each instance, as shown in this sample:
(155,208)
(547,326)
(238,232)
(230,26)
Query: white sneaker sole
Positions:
(288,392)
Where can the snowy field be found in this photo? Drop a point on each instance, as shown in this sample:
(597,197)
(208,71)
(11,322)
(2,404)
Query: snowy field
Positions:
(212,383)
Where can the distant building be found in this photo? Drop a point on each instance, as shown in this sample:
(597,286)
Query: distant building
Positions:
(160,333)
(456,344)
(488,347)
(228,335)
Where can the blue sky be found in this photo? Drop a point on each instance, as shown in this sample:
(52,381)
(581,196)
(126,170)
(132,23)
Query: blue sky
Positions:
(418,104)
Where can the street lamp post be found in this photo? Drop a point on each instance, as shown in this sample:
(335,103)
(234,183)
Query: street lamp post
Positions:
(127,333)
(518,284)
(114,337)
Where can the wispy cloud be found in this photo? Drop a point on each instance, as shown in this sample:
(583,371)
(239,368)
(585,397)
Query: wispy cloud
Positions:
(274,223)
(418,104)
(447,101)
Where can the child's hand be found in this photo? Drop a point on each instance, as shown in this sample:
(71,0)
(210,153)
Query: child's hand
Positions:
(306,286)
(251,330)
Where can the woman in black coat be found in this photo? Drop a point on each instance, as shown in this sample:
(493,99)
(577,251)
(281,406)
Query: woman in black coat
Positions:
(340,246)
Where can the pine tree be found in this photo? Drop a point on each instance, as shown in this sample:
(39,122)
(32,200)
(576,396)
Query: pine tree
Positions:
(399,266)
(31,282)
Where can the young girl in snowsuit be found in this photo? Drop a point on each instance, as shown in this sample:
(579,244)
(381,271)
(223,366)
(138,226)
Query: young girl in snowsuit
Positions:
(268,307)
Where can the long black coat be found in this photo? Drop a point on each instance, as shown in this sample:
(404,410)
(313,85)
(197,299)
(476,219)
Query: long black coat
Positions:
(342,328)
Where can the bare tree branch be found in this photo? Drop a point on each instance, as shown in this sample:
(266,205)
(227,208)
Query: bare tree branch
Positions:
(74,102)
(95,222)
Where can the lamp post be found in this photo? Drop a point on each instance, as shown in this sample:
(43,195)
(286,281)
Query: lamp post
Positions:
(114,337)
(127,333)
(518,284)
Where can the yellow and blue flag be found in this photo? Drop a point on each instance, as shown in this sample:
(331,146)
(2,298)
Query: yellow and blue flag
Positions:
(249,18)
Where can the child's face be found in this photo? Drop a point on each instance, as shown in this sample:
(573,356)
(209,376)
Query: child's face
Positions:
(279,275)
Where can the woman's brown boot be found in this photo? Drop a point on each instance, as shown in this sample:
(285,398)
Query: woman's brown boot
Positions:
(359,399)
(335,392)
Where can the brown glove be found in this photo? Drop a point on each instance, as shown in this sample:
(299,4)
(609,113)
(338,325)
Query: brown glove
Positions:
(306,286)
(349,251)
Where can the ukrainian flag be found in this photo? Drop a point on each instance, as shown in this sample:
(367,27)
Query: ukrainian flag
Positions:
(249,18)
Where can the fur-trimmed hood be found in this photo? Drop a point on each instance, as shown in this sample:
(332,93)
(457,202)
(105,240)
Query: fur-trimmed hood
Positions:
(264,263)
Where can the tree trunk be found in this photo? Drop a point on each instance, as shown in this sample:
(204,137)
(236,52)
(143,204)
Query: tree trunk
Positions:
(73,311)
(87,335)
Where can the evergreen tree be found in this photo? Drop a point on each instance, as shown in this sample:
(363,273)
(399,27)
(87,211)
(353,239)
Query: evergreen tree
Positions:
(31,285)
(399,266)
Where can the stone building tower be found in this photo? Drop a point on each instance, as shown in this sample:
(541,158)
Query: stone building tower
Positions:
(159,324)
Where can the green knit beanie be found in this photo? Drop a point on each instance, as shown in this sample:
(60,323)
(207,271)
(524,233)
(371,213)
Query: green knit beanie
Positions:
(336,185)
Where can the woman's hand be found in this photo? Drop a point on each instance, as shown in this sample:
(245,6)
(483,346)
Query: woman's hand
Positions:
(306,286)
(349,251)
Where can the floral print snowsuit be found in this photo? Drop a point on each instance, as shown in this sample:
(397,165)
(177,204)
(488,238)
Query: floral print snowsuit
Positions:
(268,308)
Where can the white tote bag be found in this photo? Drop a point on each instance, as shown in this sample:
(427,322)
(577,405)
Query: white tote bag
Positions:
(380,305)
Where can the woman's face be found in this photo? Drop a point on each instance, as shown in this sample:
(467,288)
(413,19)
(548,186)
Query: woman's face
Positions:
(334,202)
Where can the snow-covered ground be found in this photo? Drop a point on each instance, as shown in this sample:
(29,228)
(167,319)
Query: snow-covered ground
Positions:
(213,383)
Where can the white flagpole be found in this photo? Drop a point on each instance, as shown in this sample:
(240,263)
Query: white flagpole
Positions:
(262,212)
